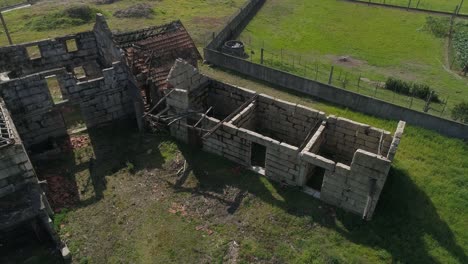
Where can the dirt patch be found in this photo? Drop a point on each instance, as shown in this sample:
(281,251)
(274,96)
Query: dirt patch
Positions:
(209,21)
(135,11)
(346,60)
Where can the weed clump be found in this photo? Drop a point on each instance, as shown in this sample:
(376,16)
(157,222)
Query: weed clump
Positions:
(135,11)
(460,112)
(72,16)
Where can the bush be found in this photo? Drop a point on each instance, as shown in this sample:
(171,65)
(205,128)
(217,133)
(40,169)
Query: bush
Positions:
(72,16)
(421,91)
(438,26)
(460,112)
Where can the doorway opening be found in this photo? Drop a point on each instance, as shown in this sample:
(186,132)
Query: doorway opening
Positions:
(258,157)
(315,177)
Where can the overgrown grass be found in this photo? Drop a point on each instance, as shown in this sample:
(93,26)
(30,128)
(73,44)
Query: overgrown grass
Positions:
(383,42)
(419,219)
(201,18)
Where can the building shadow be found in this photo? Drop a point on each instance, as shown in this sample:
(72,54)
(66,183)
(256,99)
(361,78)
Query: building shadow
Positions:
(81,171)
(405,214)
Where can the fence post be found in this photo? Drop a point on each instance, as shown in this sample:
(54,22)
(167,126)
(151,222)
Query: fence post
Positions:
(428,102)
(460,6)
(316,71)
(331,75)
(6,29)
(281,57)
(409,4)
(261,56)
(417,5)
(445,105)
(305,68)
(375,91)
(411,102)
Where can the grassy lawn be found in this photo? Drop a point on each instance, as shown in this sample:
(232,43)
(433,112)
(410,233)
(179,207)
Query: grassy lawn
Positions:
(438,5)
(201,18)
(5,3)
(380,42)
(133,207)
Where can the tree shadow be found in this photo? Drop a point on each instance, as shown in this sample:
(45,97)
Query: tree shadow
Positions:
(404,216)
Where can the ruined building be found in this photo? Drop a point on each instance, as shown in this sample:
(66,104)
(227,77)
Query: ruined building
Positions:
(40,79)
(104,76)
(92,72)
(151,52)
(339,161)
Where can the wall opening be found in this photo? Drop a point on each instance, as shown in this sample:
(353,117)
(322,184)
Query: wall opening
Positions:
(54,88)
(71,45)
(315,177)
(79,72)
(73,118)
(258,155)
(34,52)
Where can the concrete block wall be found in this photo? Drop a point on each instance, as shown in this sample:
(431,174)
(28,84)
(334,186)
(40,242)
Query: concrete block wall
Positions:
(31,106)
(38,118)
(345,98)
(228,141)
(246,118)
(18,181)
(54,54)
(355,186)
(344,137)
(285,121)
(225,98)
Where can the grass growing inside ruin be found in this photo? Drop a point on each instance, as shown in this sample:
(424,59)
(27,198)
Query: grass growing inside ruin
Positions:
(380,42)
(201,18)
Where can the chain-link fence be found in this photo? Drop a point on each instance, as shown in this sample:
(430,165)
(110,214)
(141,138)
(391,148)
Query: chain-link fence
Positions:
(345,74)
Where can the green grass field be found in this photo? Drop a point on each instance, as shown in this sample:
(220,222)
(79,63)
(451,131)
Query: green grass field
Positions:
(437,5)
(133,208)
(201,18)
(381,42)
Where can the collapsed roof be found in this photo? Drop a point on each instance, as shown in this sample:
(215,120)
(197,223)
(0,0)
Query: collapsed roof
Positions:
(151,52)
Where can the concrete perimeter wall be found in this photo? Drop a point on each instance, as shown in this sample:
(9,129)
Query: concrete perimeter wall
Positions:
(322,91)
(337,96)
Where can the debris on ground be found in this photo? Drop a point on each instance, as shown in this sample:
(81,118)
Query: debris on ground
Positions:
(178,209)
(204,228)
(135,11)
(232,253)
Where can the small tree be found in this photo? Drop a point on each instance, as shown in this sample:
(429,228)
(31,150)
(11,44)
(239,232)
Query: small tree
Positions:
(460,112)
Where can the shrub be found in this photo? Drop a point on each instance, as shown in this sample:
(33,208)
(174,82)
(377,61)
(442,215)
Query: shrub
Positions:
(460,112)
(72,16)
(438,26)
(421,91)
